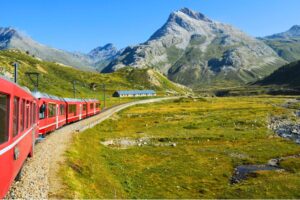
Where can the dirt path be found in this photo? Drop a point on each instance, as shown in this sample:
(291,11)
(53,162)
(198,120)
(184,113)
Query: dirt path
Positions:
(40,179)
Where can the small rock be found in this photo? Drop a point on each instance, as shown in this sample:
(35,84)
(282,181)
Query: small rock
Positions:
(295,131)
(273,162)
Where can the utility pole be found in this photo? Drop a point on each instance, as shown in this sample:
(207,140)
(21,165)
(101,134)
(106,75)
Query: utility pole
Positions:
(104,98)
(36,81)
(16,65)
(74,89)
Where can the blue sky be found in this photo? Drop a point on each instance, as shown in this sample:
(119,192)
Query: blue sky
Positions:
(80,25)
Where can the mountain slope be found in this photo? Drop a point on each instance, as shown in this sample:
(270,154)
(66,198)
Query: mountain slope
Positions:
(194,50)
(12,39)
(287,75)
(103,55)
(286,44)
(57,80)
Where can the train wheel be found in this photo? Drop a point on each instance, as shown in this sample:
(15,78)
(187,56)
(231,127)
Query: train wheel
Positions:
(19,175)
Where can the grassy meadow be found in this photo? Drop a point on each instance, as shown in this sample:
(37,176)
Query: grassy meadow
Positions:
(186,148)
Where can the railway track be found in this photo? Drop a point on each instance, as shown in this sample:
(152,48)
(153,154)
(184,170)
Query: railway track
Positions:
(39,175)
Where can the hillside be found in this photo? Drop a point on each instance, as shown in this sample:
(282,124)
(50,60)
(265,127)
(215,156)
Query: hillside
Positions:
(194,50)
(287,75)
(286,44)
(57,79)
(11,38)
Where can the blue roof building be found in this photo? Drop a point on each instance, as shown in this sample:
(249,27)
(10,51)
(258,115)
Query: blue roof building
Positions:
(134,93)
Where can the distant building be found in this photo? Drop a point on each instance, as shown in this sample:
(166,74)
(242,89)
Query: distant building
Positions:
(134,93)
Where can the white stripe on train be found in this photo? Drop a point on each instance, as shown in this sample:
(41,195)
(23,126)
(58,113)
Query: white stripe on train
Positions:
(3,151)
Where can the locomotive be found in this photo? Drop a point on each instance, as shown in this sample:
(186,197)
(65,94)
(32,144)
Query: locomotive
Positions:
(26,116)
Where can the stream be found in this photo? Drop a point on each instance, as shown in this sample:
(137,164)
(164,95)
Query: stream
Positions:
(284,128)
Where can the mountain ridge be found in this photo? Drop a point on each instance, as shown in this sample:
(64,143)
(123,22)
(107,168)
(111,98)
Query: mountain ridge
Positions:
(11,38)
(192,49)
(285,44)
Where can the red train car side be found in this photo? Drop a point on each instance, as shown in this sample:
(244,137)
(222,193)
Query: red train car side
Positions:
(18,131)
(74,109)
(52,112)
(93,107)
(24,116)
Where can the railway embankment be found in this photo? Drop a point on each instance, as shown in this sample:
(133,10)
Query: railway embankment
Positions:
(39,178)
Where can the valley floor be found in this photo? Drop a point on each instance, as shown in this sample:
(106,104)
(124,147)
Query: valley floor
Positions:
(186,148)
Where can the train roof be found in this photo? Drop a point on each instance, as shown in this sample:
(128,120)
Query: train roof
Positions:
(90,100)
(12,82)
(73,100)
(40,95)
(48,96)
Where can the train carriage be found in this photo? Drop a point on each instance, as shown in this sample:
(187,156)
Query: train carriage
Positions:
(75,109)
(93,107)
(97,107)
(52,112)
(18,131)
(24,116)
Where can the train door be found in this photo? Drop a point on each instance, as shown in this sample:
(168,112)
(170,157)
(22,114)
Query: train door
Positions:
(80,111)
(94,108)
(57,114)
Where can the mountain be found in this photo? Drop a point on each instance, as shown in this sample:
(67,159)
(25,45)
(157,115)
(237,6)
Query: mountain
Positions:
(286,44)
(88,84)
(103,55)
(287,75)
(293,32)
(194,50)
(10,38)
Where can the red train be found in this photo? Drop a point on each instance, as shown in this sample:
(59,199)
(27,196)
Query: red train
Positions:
(24,116)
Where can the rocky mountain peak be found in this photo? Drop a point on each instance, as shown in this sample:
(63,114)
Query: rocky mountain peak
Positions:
(295,30)
(8,32)
(6,35)
(194,14)
(104,51)
(107,47)
(183,22)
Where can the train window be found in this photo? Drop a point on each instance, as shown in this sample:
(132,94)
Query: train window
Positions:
(22,116)
(51,110)
(84,107)
(92,106)
(27,114)
(4,114)
(31,114)
(62,109)
(43,111)
(72,109)
(97,105)
(16,117)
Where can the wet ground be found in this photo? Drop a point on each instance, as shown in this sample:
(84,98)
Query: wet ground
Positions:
(242,172)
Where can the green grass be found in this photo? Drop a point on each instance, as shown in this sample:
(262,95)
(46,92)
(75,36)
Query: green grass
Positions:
(212,136)
(57,80)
